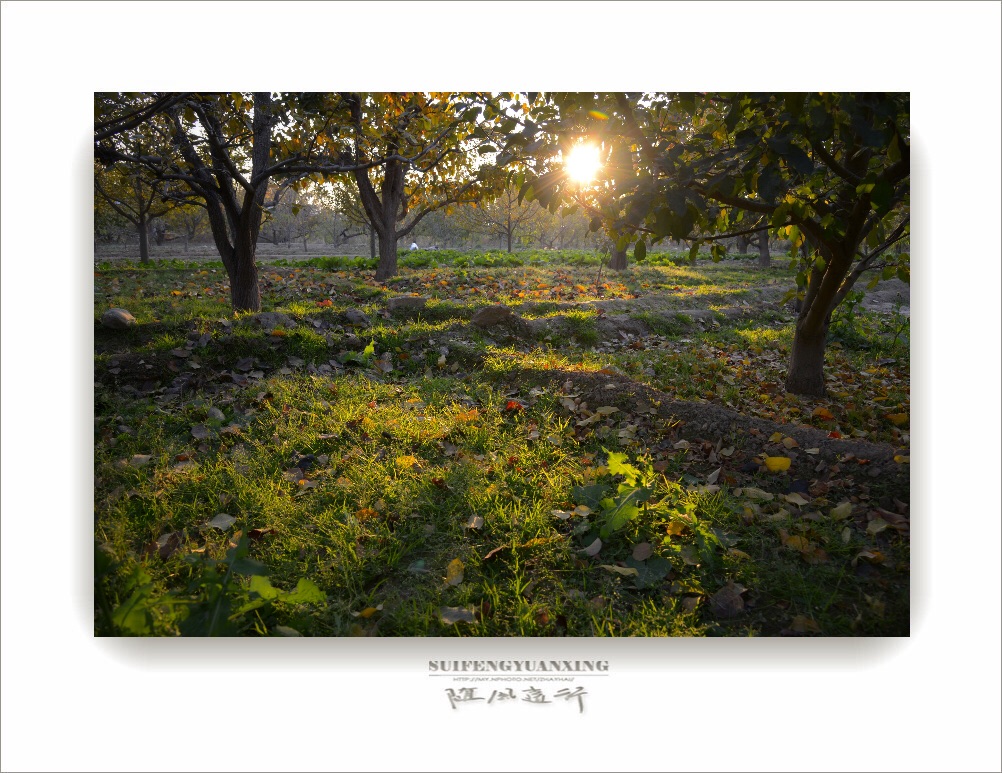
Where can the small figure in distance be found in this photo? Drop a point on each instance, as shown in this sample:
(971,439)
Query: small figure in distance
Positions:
(413,246)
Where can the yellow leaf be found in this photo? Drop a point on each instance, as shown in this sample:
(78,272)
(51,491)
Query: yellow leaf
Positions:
(902,459)
(775,437)
(469,415)
(897,418)
(822,413)
(405,462)
(789,442)
(798,543)
(777,463)
(365,513)
(844,510)
(454,572)
(801,624)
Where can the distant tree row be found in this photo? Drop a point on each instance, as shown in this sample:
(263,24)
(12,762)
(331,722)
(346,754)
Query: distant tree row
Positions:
(827,172)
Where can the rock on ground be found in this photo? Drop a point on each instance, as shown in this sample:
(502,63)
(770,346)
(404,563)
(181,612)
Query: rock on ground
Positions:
(407,302)
(269,320)
(117,319)
(491,316)
(356,317)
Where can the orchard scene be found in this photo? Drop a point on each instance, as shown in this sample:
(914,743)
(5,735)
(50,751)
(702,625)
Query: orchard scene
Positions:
(501,364)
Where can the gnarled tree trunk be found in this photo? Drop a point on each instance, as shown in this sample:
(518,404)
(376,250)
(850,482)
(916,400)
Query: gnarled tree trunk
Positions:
(806,375)
(617,261)
(144,239)
(764,257)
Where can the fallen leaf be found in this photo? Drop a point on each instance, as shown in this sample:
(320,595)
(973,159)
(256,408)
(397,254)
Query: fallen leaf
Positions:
(712,477)
(222,521)
(582,510)
(799,543)
(777,464)
(366,513)
(682,445)
(563,515)
(593,548)
(200,432)
(801,624)
(897,419)
(367,612)
(812,451)
(642,551)
(902,459)
(606,410)
(775,437)
(475,522)
(454,572)
(727,601)
(795,499)
(844,510)
(453,615)
(689,555)
(738,554)
(756,493)
(789,442)
(406,462)
(822,413)
(626,571)
(140,460)
(259,534)
(876,526)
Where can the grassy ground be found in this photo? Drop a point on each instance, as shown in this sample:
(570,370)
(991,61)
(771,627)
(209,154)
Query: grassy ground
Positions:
(420,476)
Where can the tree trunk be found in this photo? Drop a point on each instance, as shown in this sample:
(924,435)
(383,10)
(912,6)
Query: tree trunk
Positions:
(807,361)
(144,240)
(764,258)
(743,244)
(618,260)
(244,291)
(372,242)
(387,256)
(306,247)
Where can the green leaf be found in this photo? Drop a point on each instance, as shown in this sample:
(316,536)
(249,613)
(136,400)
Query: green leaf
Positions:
(881,196)
(649,572)
(263,587)
(770,183)
(589,495)
(248,566)
(134,616)
(677,201)
(618,466)
(904,274)
(306,592)
(640,251)
(370,350)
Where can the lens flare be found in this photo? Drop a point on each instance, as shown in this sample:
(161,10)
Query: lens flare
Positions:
(583,163)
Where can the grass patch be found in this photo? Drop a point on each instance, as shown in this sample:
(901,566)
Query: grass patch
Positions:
(350,485)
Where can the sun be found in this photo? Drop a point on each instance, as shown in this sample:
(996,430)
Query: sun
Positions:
(583,163)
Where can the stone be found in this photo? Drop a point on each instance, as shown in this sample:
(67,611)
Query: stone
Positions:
(491,316)
(269,320)
(356,317)
(407,302)
(117,319)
